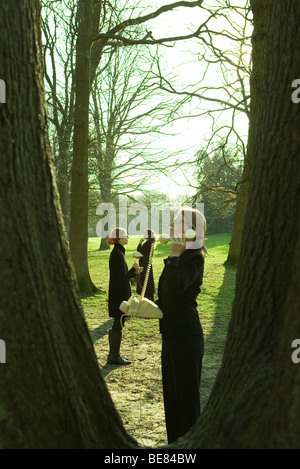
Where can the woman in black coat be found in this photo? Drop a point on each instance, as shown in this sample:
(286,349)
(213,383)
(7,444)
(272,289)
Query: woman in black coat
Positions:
(182,336)
(119,290)
(144,248)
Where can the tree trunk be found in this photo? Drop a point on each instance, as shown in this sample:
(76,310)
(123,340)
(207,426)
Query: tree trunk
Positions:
(63,178)
(255,402)
(104,246)
(261,13)
(79,187)
(52,394)
(105,197)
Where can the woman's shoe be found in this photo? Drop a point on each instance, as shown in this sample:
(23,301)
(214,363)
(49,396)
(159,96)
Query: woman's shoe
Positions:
(114,357)
(117,360)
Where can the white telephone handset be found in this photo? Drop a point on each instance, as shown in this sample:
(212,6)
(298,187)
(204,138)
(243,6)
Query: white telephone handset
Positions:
(189,235)
(141,308)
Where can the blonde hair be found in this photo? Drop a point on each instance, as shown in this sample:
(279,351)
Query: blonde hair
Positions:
(192,218)
(117,234)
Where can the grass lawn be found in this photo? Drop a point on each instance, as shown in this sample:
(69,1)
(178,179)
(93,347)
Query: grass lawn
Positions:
(136,390)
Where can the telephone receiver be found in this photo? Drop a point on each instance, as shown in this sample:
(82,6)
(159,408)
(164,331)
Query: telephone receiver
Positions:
(137,255)
(189,235)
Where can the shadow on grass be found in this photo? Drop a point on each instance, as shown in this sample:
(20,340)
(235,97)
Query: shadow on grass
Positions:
(215,341)
(97,334)
(101,330)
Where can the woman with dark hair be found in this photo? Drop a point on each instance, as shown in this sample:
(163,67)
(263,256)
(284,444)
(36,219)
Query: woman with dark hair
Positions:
(119,290)
(144,247)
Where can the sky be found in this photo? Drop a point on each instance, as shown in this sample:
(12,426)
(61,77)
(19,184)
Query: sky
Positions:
(190,133)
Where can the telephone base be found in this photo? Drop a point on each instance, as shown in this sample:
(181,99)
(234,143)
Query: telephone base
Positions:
(141,308)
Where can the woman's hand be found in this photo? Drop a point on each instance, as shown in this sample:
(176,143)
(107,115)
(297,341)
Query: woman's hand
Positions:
(138,269)
(176,249)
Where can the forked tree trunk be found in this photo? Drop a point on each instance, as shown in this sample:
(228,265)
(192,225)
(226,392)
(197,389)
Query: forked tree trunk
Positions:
(261,13)
(52,394)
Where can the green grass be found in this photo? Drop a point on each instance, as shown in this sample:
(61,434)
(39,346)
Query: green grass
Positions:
(214,301)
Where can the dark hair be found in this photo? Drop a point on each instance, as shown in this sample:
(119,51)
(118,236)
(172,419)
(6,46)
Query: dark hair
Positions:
(151,235)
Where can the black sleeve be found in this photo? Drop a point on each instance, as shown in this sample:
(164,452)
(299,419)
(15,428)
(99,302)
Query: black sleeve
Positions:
(179,278)
(119,269)
(131,272)
(144,248)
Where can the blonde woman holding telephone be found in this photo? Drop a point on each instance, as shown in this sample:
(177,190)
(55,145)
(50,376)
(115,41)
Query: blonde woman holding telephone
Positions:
(182,336)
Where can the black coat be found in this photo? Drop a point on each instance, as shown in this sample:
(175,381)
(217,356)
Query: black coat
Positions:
(119,285)
(178,288)
(143,262)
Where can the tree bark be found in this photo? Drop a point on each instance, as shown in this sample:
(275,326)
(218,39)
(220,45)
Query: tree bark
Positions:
(261,13)
(52,394)
(101,160)
(79,186)
(255,402)
(63,174)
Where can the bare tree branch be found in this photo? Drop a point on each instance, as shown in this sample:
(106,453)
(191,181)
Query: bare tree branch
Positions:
(142,19)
